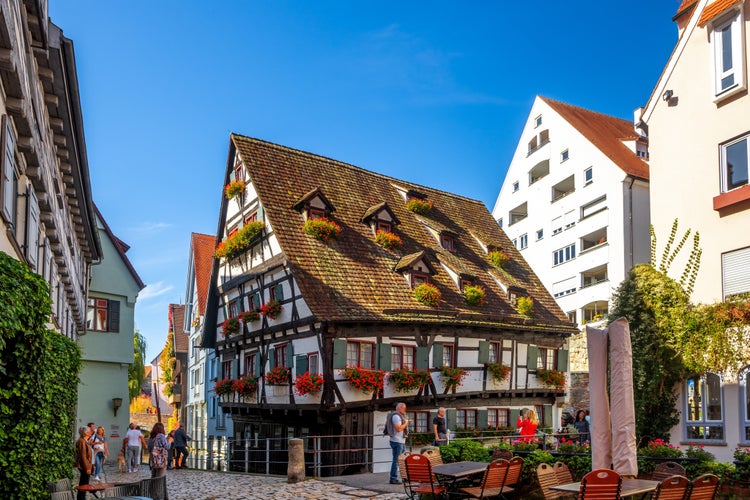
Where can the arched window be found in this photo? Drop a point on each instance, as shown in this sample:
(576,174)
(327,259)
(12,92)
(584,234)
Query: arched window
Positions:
(705,407)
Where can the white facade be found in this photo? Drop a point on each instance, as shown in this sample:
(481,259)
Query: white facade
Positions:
(579,219)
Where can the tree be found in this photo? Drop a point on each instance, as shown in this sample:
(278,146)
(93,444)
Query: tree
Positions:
(136,371)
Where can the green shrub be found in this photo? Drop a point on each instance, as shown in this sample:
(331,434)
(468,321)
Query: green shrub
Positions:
(464,451)
(38,402)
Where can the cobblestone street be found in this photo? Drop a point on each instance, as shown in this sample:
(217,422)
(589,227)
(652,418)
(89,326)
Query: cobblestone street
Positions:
(187,484)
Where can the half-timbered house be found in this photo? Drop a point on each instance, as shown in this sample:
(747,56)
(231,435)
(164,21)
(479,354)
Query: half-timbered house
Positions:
(349,302)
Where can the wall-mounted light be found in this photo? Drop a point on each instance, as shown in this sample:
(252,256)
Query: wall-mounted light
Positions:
(667,95)
(116,404)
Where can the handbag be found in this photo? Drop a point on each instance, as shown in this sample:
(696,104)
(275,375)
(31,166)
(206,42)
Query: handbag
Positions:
(158,459)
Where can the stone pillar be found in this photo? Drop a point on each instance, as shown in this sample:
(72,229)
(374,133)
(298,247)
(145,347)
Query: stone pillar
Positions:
(295,472)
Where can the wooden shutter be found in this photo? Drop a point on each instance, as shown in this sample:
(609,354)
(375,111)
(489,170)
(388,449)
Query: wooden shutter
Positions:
(548,416)
(514,414)
(450,417)
(256,367)
(482,419)
(32,228)
(484,352)
(271,358)
(256,301)
(437,355)
(8,171)
(113,315)
(562,360)
(422,361)
(278,292)
(235,368)
(339,354)
(289,355)
(532,357)
(383,357)
(301,364)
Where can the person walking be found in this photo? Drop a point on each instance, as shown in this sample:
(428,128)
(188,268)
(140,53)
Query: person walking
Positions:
(134,438)
(440,428)
(83,459)
(101,451)
(180,445)
(582,426)
(158,450)
(396,426)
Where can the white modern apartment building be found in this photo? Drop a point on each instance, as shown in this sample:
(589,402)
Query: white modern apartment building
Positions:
(575,202)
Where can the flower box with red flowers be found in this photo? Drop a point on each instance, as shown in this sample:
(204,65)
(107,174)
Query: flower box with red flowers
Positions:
(238,243)
(419,206)
(248,316)
(230,326)
(499,371)
(498,258)
(551,378)
(271,309)
(308,384)
(321,229)
(474,295)
(223,386)
(405,380)
(245,386)
(278,375)
(427,294)
(387,239)
(234,188)
(452,377)
(364,379)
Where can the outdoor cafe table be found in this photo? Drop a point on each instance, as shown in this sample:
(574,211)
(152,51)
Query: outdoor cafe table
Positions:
(630,487)
(458,470)
(95,488)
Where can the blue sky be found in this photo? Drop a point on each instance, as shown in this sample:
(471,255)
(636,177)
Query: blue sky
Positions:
(432,92)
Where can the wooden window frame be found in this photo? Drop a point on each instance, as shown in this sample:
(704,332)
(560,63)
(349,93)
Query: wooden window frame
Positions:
(448,242)
(465,413)
(316,357)
(496,412)
(250,362)
(397,364)
(279,354)
(226,368)
(383,225)
(415,276)
(414,420)
(100,309)
(360,343)
(316,213)
(449,348)
(251,217)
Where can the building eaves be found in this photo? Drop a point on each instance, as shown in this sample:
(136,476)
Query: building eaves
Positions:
(715,9)
(203,246)
(121,249)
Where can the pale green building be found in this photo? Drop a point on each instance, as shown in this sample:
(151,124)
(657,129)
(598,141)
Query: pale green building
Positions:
(108,343)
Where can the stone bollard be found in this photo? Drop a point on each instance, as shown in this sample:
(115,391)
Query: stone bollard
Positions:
(296,470)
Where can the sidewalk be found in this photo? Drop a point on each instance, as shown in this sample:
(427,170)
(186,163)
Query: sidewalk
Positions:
(189,484)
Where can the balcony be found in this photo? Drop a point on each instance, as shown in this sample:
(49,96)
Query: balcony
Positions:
(176,396)
(518,214)
(594,276)
(540,170)
(595,311)
(594,239)
(563,188)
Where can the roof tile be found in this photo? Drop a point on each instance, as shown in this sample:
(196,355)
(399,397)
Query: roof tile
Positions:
(714,9)
(203,246)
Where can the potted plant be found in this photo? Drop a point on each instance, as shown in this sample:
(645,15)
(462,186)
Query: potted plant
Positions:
(387,240)
(452,377)
(474,295)
(427,294)
(419,206)
(239,242)
(245,386)
(551,378)
(230,326)
(278,375)
(498,258)
(223,386)
(271,309)
(366,380)
(249,316)
(234,188)
(308,384)
(525,305)
(499,371)
(321,229)
(405,380)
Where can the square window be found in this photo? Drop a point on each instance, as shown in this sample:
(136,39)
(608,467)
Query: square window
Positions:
(384,225)
(734,164)
(402,357)
(418,278)
(447,242)
(564,156)
(588,175)
(316,213)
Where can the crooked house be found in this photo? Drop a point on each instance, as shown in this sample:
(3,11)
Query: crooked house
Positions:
(338,292)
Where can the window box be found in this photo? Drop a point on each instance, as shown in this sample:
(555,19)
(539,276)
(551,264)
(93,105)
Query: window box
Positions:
(405,380)
(474,295)
(278,375)
(427,294)
(499,371)
(525,306)
(387,240)
(271,309)
(551,378)
(451,377)
(321,229)
(498,258)
(230,326)
(419,206)
(235,188)
(308,384)
(366,381)
(239,242)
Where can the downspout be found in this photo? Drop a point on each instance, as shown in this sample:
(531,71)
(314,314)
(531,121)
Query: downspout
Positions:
(630,222)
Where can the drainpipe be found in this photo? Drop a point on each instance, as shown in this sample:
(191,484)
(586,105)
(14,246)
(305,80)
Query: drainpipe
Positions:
(630,221)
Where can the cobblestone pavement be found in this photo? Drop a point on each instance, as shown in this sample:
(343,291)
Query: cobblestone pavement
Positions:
(189,484)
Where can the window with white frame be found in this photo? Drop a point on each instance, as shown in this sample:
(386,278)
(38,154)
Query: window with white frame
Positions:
(727,40)
(564,156)
(515,186)
(418,421)
(588,176)
(734,163)
(312,362)
(539,234)
(447,355)
(704,416)
(500,222)
(495,352)
(538,121)
(745,405)
(564,254)
(498,417)
(402,356)
(523,240)
(466,419)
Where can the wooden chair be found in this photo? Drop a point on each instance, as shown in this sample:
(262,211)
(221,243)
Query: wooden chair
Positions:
(433,455)
(155,488)
(506,454)
(547,478)
(704,487)
(667,469)
(601,484)
(421,481)
(492,481)
(672,488)
(123,490)
(59,485)
(402,470)
(515,468)
(62,495)
(563,473)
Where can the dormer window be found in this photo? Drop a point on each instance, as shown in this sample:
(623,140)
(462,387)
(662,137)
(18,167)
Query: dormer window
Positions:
(383,225)
(417,278)
(448,242)
(463,283)
(314,205)
(415,268)
(380,217)
(316,213)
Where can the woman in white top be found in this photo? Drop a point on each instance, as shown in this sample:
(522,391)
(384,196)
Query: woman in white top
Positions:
(101,450)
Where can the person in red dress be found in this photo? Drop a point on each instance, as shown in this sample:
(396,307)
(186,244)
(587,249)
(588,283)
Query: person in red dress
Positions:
(527,424)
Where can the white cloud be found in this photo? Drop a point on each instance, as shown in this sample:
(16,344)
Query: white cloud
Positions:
(146,228)
(154,290)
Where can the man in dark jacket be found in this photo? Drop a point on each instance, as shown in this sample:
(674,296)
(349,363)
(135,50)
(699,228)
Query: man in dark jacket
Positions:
(180,445)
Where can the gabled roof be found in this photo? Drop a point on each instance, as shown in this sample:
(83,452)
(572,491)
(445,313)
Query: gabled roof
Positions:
(606,133)
(714,9)
(121,249)
(407,261)
(685,7)
(352,279)
(376,209)
(203,246)
(177,326)
(315,193)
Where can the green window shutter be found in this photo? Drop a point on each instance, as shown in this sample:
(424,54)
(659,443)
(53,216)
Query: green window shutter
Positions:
(113,321)
(548,416)
(450,417)
(235,368)
(484,352)
(259,213)
(532,357)
(562,360)
(289,355)
(279,292)
(514,414)
(256,301)
(437,355)
(256,368)
(271,358)
(482,419)
(339,354)
(383,361)
(301,364)
(422,361)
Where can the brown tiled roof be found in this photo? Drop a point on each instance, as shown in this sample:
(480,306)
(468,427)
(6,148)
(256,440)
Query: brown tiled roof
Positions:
(352,278)
(714,9)
(606,133)
(181,338)
(684,7)
(203,246)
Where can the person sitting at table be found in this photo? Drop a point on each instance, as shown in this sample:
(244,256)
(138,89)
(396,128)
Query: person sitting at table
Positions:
(83,459)
(527,425)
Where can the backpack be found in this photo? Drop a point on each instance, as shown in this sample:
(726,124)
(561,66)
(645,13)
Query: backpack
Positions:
(388,429)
